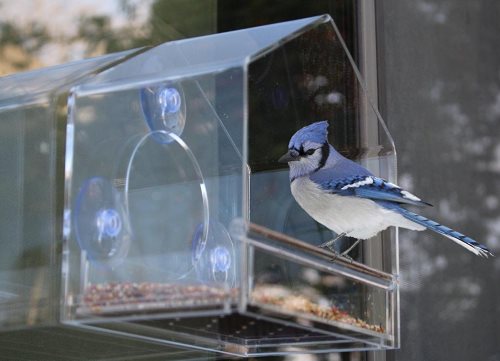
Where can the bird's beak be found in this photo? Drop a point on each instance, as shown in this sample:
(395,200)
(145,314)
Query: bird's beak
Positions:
(287,157)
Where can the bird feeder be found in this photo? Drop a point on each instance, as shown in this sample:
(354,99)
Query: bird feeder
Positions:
(165,211)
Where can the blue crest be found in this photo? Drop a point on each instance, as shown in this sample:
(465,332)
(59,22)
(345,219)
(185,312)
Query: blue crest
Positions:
(315,132)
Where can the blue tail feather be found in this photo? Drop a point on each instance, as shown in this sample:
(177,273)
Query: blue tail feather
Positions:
(455,236)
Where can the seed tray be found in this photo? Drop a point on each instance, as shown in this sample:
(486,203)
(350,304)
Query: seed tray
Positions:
(121,298)
(287,301)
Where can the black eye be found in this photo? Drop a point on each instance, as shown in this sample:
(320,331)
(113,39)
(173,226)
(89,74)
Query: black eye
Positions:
(310,151)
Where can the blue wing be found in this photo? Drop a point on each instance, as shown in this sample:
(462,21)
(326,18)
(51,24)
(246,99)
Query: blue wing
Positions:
(347,178)
(362,184)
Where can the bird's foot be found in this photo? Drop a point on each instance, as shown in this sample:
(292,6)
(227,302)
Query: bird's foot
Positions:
(345,254)
(347,257)
(336,255)
(328,246)
(330,243)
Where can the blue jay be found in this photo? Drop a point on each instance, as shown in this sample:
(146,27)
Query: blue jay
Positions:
(348,199)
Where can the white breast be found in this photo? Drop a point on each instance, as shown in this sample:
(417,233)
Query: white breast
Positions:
(357,217)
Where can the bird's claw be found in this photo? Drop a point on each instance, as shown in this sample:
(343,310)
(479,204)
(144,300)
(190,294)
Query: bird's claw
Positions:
(329,245)
(336,255)
(347,257)
(326,245)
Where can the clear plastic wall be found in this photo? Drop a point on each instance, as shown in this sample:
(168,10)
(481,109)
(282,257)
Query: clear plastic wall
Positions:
(32,134)
(177,221)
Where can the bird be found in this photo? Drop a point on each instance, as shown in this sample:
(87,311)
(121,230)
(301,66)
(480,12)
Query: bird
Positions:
(348,199)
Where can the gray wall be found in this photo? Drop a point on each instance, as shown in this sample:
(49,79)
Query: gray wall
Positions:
(439,79)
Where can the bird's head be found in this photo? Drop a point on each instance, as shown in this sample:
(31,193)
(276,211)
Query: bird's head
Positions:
(308,149)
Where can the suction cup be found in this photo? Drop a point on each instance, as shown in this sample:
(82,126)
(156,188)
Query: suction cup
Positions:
(101,224)
(214,260)
(164,108)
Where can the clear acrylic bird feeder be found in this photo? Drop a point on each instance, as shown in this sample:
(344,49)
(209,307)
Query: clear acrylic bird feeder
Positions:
(177,221)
